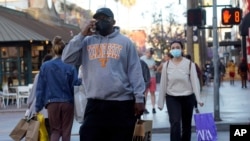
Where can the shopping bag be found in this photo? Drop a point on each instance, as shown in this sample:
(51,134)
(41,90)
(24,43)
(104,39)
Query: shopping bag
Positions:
(143,130)
(80,102)
(43,134)
(205,127)
(32,131)
(19,130)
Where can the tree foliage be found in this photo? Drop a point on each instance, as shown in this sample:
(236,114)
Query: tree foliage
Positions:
(164,30)
(127,3)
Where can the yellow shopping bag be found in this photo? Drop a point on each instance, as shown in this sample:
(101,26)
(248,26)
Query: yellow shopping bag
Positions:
(43,134)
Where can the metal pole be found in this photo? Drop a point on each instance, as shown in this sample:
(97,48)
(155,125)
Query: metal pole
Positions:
(216,64)
(190,46)
(89,4)
(162,35)
(202,40)
(190,49)
(64,10)
(243,47)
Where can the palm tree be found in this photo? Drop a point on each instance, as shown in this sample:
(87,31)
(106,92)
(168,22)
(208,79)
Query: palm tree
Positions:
(128,4)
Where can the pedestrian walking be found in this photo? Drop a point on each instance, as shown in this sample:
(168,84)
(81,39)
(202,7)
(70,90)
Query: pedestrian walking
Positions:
(179,87)
(32,98)
(55,91)
(149,60)
(243,71)
(207,75)
(222,70)
(112,76)
(167,57)
(231,70)
(146,77)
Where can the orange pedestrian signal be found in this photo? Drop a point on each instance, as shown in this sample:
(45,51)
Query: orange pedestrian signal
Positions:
(231,16)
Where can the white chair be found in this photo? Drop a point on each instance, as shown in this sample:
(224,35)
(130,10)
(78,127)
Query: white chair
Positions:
(2,100)
(9,95)
(22,93)
(30,87)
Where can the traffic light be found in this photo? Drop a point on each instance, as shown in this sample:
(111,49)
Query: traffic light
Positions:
(196,17)
(231,16)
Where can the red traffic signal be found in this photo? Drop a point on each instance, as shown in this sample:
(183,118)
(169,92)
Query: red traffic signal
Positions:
(196,17)
(231,16)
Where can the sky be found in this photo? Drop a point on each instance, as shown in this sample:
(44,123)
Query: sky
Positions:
(133,18)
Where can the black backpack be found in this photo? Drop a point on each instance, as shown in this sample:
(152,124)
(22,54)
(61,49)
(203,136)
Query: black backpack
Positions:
(243,67)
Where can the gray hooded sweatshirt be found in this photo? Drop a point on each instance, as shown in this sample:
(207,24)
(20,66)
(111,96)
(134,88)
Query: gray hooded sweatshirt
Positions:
(111,66)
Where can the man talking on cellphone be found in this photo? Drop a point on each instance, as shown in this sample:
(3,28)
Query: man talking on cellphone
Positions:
(112,76)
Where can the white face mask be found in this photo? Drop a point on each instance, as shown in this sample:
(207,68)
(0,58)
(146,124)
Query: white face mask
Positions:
(175,52)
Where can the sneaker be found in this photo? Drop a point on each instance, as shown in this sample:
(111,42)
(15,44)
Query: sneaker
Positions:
(153,111)
(146,111)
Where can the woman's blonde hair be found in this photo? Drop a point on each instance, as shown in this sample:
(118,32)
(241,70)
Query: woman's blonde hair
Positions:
(58,45)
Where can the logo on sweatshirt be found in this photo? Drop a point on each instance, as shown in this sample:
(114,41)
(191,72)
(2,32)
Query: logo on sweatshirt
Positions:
(103,52)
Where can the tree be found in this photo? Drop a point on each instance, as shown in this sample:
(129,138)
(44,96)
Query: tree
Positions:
(75,14)
(128,4)
(162,34)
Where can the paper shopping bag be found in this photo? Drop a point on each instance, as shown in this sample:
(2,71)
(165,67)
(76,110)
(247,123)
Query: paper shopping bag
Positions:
(20,130)
(143,130)
(80,102)
(205,127)
(32,131)
(43,134)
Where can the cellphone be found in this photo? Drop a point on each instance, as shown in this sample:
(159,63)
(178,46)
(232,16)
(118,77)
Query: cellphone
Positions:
(93,30)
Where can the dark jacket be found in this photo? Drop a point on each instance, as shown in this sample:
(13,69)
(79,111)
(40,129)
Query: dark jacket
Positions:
(145,73)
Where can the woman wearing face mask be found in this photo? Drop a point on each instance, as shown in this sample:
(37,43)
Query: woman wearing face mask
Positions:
(179,86)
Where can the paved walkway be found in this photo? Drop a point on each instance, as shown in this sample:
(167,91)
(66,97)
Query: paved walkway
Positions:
(234,109)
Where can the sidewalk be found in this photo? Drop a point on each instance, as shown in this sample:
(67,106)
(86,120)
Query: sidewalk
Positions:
(234,109)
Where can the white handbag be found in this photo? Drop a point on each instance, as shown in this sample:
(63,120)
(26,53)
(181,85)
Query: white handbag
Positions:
(80,102)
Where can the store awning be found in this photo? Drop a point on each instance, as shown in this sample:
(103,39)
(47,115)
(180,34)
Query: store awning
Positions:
(47,31)
(11,31)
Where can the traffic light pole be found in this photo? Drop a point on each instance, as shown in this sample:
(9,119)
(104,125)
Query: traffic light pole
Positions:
(190,48)
(216,64)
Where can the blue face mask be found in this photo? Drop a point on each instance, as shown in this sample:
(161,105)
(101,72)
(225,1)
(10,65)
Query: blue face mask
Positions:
(175,52)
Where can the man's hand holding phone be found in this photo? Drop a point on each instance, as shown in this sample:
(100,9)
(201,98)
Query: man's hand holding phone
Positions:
(89,28)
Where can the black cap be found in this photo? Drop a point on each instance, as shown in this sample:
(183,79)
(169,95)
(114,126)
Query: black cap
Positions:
(105,11)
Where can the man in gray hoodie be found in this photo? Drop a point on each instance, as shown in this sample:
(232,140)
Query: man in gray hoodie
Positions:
(112,76)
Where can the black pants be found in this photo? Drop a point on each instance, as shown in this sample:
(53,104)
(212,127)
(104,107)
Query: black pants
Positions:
(108,121)
(180,110)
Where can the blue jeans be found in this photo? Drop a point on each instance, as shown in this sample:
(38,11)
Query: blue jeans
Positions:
(180,110)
